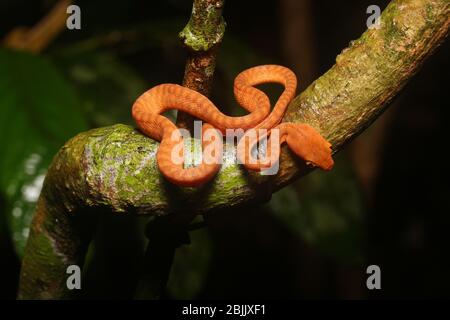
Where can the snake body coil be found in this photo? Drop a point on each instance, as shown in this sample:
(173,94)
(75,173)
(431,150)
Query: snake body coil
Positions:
(302,139)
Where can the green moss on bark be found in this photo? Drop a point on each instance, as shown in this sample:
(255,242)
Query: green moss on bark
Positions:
(206,26)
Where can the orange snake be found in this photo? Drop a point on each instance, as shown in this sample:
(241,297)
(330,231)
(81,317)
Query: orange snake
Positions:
(302,139)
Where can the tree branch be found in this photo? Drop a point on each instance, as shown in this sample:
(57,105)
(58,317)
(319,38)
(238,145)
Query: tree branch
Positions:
(201,36)
(38,37)
(114,168)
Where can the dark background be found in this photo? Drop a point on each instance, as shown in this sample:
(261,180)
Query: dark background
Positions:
(385,203)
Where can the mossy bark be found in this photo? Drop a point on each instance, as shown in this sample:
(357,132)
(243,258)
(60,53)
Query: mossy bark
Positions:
(114,168)
(201,36)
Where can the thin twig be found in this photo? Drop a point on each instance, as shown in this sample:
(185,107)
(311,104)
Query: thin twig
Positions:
(42,34)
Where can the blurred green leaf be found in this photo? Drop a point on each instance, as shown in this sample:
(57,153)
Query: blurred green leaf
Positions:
(105,72)
(101,67)
(39,111)
(106,86)
(326,210)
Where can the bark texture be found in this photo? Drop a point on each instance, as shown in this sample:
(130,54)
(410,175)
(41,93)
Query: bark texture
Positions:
(201,36)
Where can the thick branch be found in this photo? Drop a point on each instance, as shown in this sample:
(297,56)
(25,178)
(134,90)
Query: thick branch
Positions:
(114,168)
(201,36)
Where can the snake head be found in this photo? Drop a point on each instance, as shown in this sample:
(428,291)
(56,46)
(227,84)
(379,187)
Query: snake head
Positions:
(309,145)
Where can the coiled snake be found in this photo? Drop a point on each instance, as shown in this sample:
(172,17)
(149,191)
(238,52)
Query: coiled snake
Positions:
(302,139)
